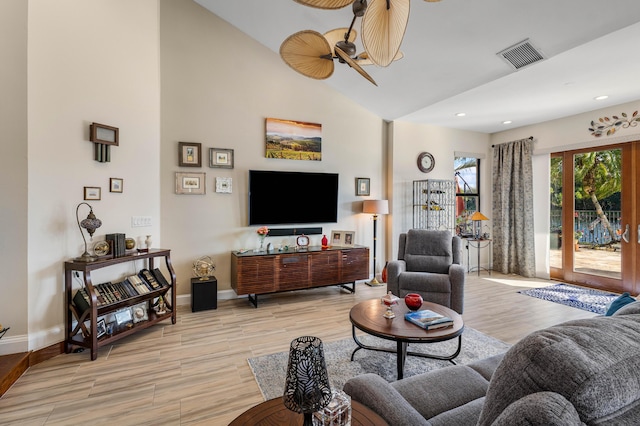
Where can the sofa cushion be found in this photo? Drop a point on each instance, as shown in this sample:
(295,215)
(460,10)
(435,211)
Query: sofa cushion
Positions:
(631,308)
(593,363)
(456,386)
(376,393)
(539,409)
(430,251)
(620,301)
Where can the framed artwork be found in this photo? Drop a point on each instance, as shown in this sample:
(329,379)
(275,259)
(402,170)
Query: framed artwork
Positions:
(115,184)
(92,193)
(343,238)
(190,183)
(220,157)
(293,140)
(363,186)
(189,154)
(106,135)
(223,184)
(101,328)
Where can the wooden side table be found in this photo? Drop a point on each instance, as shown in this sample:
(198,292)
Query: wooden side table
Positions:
(273,412)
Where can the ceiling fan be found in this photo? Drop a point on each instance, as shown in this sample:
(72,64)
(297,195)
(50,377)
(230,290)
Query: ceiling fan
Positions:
(383,26)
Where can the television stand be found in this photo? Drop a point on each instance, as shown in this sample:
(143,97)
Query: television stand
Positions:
(264,272)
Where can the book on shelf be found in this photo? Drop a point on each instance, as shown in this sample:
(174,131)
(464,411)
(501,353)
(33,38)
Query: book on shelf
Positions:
(160,277)
(81,300)
(149,279)
(428,320)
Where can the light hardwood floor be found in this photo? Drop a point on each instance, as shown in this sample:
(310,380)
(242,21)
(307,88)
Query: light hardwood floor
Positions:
(196,372)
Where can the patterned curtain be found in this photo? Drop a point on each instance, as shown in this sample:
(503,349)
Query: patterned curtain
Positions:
(513,245)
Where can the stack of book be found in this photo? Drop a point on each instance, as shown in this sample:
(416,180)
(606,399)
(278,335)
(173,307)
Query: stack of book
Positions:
(428,320)
(107,293)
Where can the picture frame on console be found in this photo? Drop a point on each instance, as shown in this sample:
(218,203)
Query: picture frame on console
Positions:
(343,238)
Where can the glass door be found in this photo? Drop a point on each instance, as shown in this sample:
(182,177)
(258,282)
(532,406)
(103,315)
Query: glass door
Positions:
(594,234)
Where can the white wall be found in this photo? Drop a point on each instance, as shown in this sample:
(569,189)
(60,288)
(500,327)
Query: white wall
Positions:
(88,62)
(409,140)
(13,174)
(218,87)
(561,135)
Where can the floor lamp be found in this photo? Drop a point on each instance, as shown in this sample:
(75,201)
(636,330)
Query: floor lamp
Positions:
(375,207)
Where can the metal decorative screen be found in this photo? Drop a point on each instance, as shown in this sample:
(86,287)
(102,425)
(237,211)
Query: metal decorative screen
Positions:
(434,204)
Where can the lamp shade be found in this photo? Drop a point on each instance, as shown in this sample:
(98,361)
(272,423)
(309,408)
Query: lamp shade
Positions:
(375,206)
(478,216)
(307,388)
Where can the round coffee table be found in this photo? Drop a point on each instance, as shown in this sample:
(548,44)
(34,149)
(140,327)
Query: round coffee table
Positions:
(368,317)
(273,412)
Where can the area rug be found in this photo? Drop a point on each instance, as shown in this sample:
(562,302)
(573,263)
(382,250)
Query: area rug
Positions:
(270,370)
(587,299)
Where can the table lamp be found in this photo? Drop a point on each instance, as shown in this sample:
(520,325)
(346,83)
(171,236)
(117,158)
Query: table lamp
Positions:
(307,387)
(477,217)
(91,223)
(375,207)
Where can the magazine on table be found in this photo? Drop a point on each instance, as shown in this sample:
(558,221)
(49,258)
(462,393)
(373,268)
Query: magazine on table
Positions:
(428,320)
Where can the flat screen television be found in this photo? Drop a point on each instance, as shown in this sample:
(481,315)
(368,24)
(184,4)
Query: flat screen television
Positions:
(279,198)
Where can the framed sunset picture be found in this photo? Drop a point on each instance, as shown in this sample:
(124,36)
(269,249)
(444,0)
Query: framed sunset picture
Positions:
(293,140)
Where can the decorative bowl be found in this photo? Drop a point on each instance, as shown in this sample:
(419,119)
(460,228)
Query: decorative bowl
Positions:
(413,301)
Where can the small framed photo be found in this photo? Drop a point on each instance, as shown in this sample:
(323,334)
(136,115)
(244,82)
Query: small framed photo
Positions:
(103,134)
(92,193)
(140,312)
(101,328)
(343,238)
(363,186)
(190,183)
(220,157)
(189,154)
(123,316)
(223,185)
(115,184)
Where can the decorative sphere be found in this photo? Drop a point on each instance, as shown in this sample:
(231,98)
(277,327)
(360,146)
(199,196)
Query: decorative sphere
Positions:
(203,267)
(413,301)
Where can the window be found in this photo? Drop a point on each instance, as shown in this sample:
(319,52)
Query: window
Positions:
(467,177)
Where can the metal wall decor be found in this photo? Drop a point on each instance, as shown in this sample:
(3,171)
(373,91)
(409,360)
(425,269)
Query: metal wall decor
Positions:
(610,125)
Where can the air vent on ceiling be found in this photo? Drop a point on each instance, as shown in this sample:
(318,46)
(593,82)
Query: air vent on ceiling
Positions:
(521,54)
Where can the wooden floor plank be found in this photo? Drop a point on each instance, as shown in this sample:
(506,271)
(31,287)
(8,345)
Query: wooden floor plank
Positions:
(196,372)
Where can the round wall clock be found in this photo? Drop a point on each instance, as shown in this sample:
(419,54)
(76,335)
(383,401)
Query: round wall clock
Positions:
(302,241)
(426,162)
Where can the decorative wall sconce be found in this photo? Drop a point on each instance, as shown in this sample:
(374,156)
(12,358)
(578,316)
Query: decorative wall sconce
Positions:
(103,137)
(91,223)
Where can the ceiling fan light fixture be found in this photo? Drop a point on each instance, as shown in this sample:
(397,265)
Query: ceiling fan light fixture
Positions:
(383,29)
(347,47)
(359,7)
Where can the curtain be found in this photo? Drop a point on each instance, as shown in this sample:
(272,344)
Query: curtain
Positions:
(513,245)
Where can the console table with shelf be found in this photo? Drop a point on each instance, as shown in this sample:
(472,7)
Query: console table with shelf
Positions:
(87,337)
(255,273)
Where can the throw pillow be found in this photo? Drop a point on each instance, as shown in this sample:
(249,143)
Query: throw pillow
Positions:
(624,299)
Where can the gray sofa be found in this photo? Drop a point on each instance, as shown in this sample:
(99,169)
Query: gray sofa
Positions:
(581,372)
(429,263)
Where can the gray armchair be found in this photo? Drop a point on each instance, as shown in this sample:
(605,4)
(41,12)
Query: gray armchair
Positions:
(429,264)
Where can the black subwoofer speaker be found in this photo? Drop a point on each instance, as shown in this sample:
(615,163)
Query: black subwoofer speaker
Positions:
(204,294)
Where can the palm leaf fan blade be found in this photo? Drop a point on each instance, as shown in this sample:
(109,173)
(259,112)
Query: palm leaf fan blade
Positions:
(352,63)
(309,53)
(325,4)
(383,29)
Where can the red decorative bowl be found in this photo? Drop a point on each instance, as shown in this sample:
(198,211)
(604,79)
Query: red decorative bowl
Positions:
(413,301)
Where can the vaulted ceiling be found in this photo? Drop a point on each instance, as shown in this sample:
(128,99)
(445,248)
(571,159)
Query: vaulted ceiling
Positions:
(451,63)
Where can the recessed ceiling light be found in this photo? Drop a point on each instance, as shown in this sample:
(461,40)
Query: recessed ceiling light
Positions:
(507,122)
(600,98)
(461,114)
